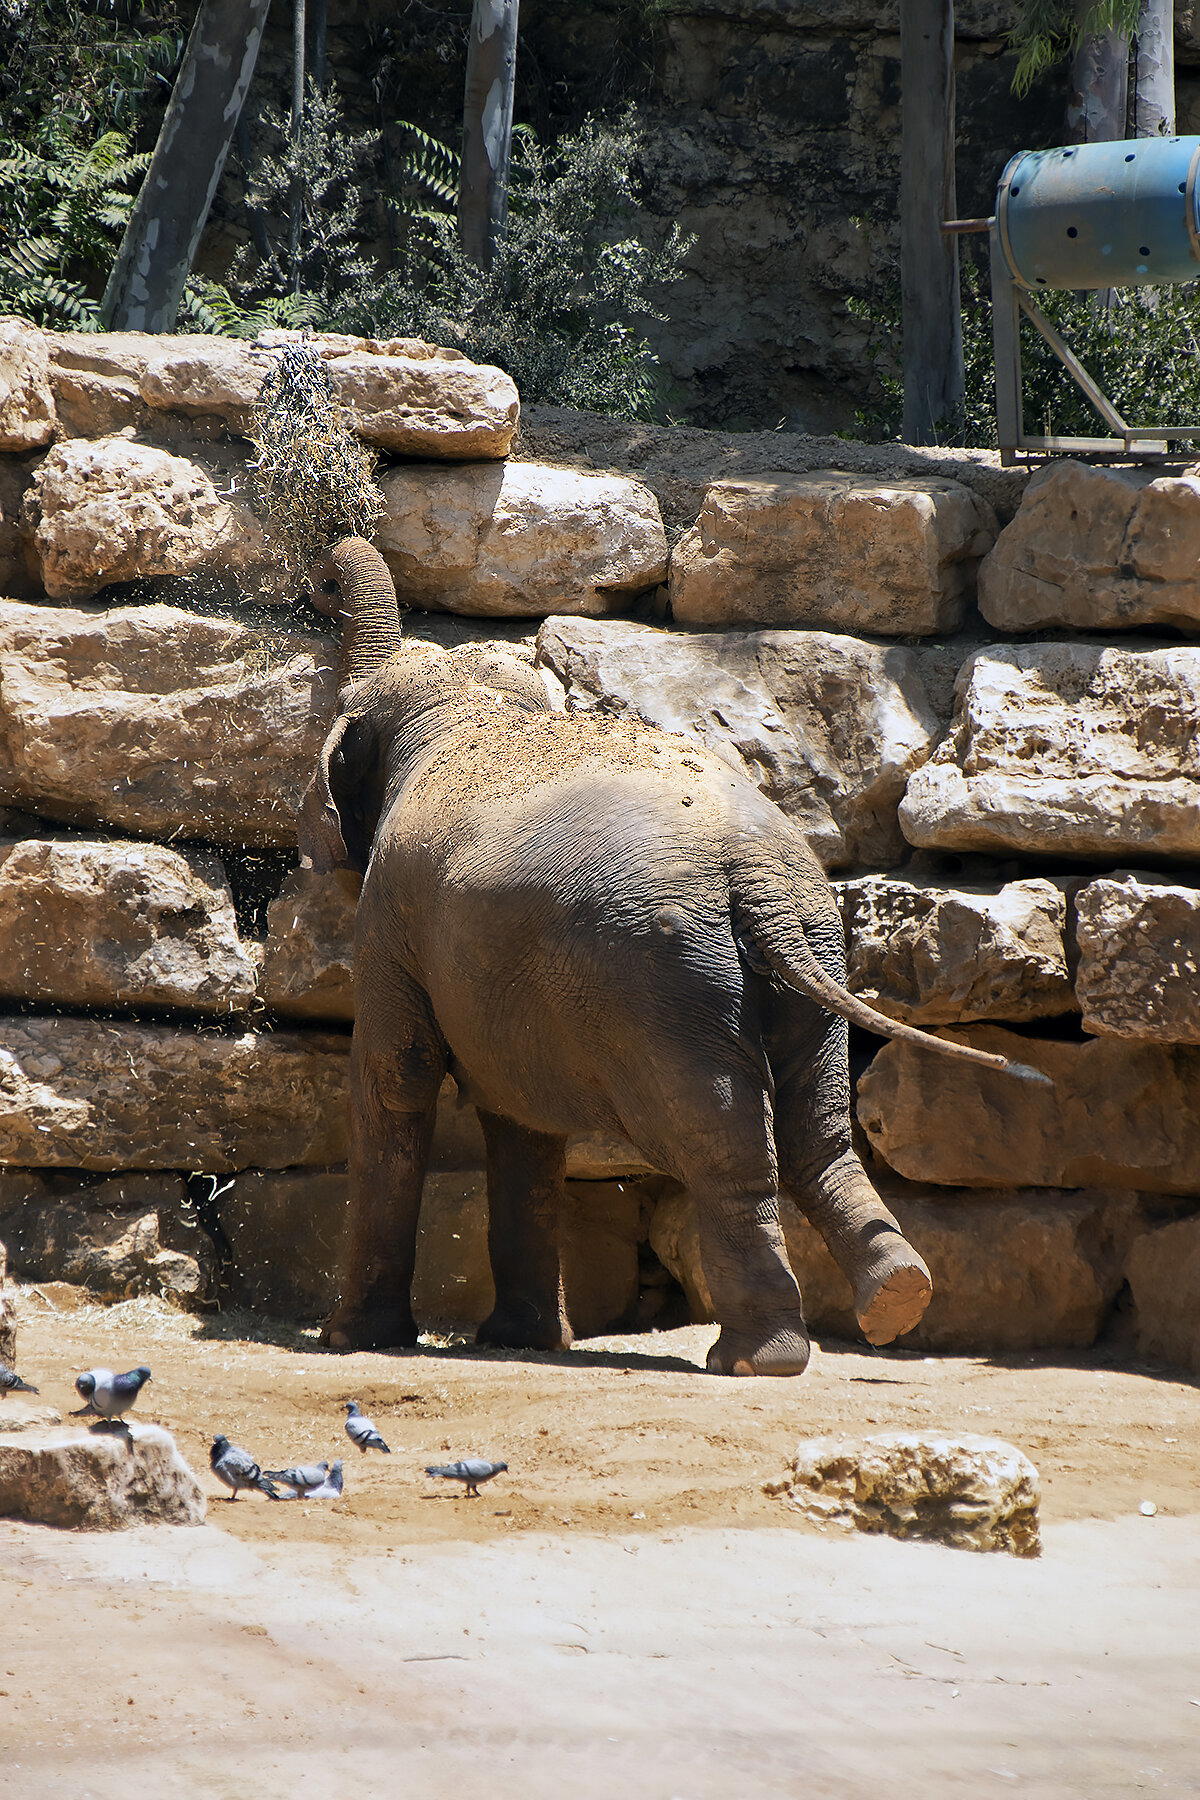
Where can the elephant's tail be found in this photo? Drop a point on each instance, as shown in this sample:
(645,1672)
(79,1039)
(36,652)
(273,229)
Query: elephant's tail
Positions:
(793,963)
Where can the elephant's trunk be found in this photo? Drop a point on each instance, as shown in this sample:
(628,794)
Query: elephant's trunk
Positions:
(368,609)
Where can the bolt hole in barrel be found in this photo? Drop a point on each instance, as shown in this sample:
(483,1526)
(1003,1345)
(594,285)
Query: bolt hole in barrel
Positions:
(1072,231)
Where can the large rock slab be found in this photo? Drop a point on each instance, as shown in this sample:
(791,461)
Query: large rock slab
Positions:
(86,922)
(834,550)
(829,727)
(1139,958)
(519,540)
(968,1491)
(90,1094)
(308,959)
(1066,750)
(132,1234)
(160,721)
(115,510)
(1116,1114)
(937,955)
(1012,1270)
(1164,1278)
(98,1480)
(403,395)
(26,403)
(95,378)
(1097,548)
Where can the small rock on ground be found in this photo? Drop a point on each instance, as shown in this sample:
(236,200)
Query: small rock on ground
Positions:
(98,1480)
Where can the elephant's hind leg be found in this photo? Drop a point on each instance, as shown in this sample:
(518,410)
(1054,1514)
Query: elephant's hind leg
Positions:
(525,1204)
(397,1062)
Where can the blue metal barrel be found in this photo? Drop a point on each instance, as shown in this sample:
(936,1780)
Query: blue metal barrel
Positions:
(1121,214)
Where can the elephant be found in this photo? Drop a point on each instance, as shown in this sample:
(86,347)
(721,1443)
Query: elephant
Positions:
(594,927)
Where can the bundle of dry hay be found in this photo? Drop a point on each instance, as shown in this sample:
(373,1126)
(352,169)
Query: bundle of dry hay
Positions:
(313,480)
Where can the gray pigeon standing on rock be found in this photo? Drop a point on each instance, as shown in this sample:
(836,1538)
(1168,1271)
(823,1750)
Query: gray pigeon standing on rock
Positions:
(11,1383)
(236,1468)
(472,1470)
(107,1396)
(302,1479)
(360,1430)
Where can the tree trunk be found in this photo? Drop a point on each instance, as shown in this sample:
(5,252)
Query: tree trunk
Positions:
(1099,86)
(933,358)
(1154,71)
(296,194)
(487,127)
(163,233)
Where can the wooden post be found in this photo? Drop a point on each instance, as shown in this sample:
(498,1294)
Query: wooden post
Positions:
(487,127)
(163,233)
(933,358)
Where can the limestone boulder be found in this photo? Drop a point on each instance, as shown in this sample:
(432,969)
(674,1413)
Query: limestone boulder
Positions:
(969,1492)
(519,540)
(1114,1114)
(403,395)
(114,510)
(93,1094)
(1139,958)
(95,378)
(1012,1269)
(98,1480)
(830,727)
(938,955)
(1060,749)
(87,922)
(1098,549)
(20,1414)
(132,1234)
(19,571)
(1164,1278)
(27,418)
(838,551)
(308,958)
(160,721)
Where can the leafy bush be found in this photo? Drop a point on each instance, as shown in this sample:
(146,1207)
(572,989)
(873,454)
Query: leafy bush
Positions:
(560,309)
(66,205)
(1142,346)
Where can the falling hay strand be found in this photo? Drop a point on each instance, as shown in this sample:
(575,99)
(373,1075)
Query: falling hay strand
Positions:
(313,479)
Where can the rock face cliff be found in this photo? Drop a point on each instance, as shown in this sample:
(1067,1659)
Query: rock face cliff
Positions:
(1009,815)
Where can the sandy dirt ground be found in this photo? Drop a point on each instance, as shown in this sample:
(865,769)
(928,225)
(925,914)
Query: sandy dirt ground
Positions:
(625,1615)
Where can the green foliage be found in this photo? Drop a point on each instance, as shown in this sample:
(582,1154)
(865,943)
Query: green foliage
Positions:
(66,205)
(1142,346)
(570,286)
(92,65)
(1049,30)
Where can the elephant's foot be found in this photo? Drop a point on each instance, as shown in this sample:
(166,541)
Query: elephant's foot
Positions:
(891,1299)
(524,1327)
(370,1328)
(784,1351)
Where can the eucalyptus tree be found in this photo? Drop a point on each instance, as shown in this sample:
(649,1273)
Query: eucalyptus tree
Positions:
(163,233)
(487,127)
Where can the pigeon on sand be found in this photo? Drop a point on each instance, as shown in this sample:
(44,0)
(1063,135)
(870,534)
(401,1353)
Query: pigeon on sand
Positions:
(331,1489)
(304,1479)
(235,1468)
(471,1471)
(361,1431)
(107,1396)
(11,1383)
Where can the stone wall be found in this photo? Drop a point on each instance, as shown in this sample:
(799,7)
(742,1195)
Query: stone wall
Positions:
(976,692)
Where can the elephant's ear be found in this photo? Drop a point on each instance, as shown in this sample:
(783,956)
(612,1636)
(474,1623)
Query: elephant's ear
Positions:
(330,829)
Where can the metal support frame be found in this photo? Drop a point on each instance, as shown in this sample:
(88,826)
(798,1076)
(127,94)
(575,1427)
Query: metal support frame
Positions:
(1010,302)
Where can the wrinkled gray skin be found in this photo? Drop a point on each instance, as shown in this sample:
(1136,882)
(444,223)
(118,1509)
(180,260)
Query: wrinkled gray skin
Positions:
(594,927)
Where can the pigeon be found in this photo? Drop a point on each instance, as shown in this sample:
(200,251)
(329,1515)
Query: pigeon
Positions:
(107,1396)
(331,1488)
(302,1480)
(236,1468)
(360,1431)
(11,1383)
(472,1470)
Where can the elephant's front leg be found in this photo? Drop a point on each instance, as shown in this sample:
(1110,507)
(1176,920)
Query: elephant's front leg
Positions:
(525,1204)
(394,1083)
